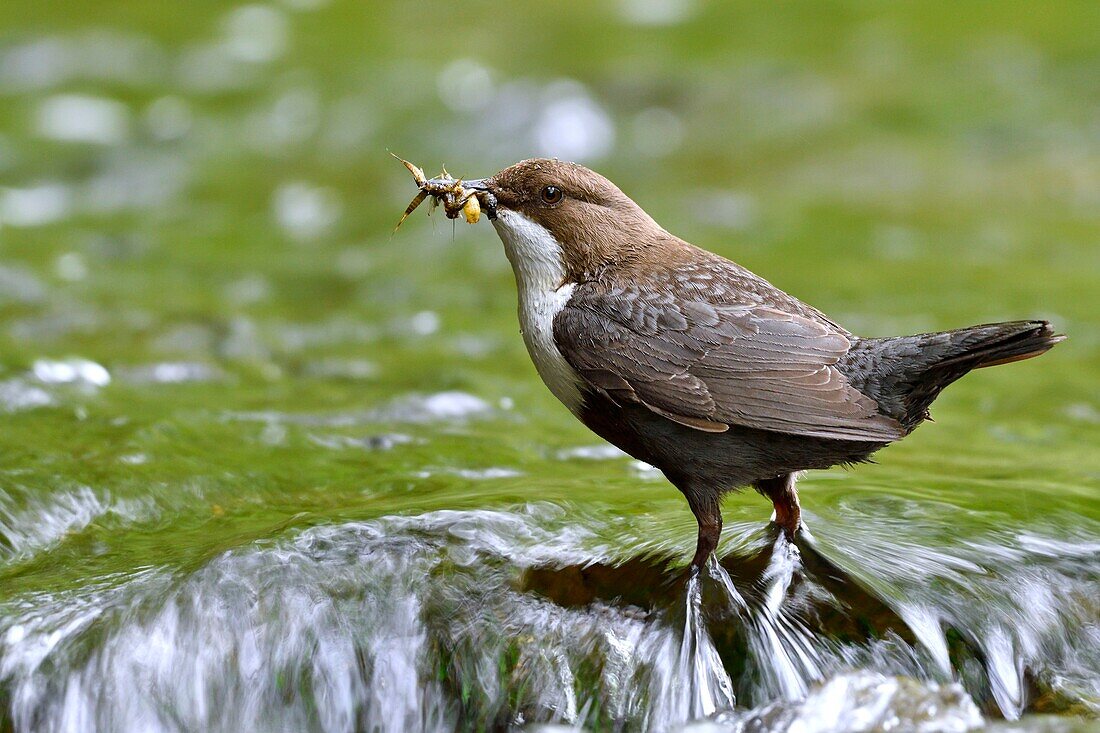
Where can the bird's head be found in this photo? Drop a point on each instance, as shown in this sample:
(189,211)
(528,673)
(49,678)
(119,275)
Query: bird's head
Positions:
(546,209)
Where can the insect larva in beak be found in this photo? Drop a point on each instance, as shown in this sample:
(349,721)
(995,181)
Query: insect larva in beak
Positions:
(472,209)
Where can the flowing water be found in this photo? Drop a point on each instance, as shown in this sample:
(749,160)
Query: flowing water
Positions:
(265,467)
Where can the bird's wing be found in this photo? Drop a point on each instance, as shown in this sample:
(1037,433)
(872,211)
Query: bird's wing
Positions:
(708,360)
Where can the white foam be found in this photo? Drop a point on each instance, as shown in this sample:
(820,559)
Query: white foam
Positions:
(71,371)
(83,118)
(38,205)
(603,452)
(16,395)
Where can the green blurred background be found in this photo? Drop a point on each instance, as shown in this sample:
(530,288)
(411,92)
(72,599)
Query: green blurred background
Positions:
(208,334)
(210,341)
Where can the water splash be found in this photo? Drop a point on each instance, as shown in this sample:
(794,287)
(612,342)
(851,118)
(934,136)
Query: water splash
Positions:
(704,685)
(1008,606)
(864,702)
(499,619)
(29,524)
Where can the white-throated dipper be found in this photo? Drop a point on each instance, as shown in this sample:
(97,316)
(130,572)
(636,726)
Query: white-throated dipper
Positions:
(693,364)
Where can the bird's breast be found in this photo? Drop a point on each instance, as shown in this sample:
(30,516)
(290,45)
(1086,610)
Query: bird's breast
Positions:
(536,261)
(536,317)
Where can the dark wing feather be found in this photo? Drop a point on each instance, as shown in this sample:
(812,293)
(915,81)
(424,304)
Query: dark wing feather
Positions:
(708,361)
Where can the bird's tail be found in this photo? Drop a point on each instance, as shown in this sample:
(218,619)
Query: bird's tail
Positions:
(919,367)
(997,343)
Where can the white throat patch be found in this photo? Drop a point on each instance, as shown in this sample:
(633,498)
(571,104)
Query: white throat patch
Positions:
(536,261)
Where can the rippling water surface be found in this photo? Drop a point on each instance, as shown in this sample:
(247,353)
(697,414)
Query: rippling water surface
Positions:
(265,467)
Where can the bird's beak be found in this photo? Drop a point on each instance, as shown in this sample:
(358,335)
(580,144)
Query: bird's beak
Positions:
(485,195)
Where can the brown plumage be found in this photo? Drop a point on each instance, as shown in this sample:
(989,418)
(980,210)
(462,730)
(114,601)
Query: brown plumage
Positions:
(697,366)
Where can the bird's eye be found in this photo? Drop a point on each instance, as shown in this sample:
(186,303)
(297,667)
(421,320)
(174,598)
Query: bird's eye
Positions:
(551,194)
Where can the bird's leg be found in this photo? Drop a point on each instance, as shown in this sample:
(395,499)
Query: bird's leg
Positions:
(784,496)
(706,511)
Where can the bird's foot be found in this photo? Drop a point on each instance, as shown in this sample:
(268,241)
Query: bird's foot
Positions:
(788,522)
(787,513)
(693,572)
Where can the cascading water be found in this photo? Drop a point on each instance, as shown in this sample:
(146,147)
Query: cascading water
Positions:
(496,620)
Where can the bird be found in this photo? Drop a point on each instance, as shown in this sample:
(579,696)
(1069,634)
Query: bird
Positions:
(693,364)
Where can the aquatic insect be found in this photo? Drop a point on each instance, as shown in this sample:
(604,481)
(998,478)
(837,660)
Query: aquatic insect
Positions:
(457,196)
